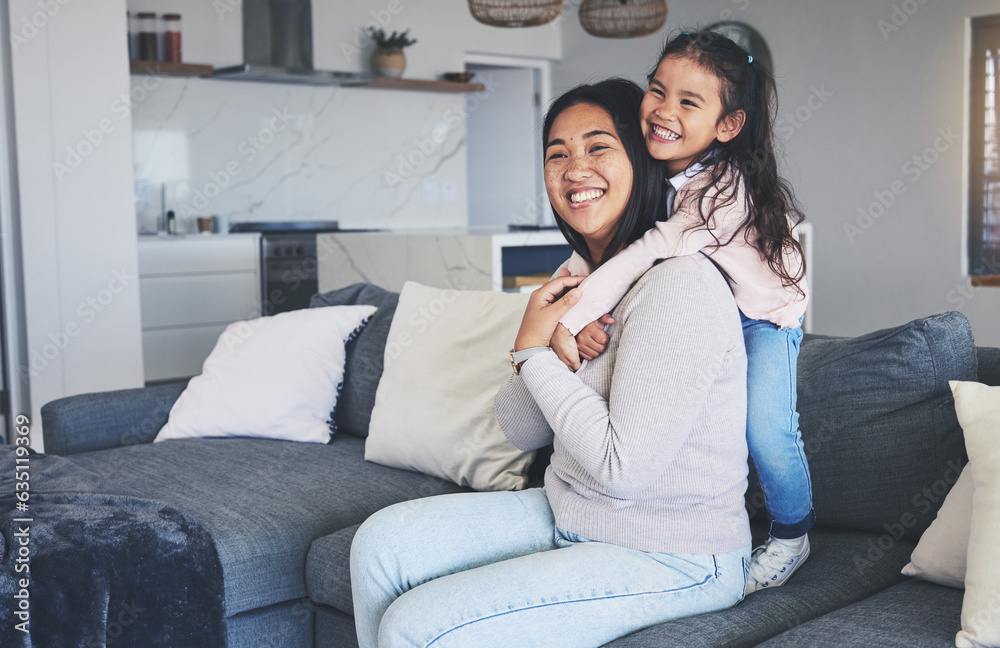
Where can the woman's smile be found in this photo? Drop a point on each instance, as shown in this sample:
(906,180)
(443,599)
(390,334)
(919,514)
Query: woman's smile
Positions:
(588,175)
(584,197)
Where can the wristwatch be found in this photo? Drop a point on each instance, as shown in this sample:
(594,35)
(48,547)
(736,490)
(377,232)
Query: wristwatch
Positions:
(518,358)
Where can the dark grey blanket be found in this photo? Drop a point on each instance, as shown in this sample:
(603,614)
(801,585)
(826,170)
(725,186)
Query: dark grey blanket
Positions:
(84,568)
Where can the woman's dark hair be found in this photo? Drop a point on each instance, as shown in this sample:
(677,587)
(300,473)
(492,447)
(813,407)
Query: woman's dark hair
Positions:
(620,98)
(771,208)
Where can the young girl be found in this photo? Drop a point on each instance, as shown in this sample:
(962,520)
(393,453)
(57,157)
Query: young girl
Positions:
(707,114)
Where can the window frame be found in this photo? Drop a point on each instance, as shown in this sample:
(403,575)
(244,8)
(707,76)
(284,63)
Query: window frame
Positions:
(983,266)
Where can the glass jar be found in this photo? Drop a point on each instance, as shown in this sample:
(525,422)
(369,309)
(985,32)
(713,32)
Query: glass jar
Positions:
(172,37)
(148,42)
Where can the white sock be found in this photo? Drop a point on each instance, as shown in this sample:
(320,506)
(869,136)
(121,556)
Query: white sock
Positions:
(795,544)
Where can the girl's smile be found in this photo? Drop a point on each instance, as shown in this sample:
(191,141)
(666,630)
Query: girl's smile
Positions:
(681,114)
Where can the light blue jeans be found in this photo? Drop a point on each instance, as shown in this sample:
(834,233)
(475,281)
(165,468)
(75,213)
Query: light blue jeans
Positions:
(773,435)
(491,569)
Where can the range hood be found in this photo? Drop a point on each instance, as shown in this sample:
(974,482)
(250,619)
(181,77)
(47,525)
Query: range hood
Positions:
(278,47)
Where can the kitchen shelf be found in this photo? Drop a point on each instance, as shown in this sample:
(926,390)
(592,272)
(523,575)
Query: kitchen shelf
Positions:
(420,84)
(163,68)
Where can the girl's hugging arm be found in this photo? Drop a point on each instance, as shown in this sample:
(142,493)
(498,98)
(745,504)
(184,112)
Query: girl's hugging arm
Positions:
(686,232)
(673,333)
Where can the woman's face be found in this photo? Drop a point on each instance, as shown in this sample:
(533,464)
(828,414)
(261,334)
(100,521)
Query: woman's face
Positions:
(588,175)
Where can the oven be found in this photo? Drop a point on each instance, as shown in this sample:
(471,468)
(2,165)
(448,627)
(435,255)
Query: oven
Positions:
(289,271)
(289,266)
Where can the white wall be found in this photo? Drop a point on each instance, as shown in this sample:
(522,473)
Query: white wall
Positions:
(77,221)
(444,30)
(880,96)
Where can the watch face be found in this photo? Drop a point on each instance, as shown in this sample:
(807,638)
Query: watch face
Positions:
(748,38)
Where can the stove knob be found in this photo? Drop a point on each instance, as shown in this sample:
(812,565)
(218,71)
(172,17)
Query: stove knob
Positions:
(277,251)
(299,251)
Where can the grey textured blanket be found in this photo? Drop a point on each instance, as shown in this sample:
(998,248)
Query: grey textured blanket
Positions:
(84,568)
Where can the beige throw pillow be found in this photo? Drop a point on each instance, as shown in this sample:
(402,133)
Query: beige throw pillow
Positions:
(445,359)
(978,408)
(940,555)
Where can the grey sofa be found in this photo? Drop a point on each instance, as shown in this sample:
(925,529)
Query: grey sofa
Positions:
(876,415)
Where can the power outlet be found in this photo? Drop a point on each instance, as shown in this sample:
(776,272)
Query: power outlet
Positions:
(142,191)
(431,190)
(449,191)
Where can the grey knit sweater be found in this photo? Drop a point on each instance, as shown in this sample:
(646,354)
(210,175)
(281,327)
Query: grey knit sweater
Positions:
(649,438)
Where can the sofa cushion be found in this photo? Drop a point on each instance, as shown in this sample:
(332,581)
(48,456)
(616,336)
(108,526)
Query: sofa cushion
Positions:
(273,377)
(879,426)
(328,570)
(445,361)
(335,628)
(941,555)
(978,409)
(845,567)
(913,613)
(263,501)
(363,368)
(989,366)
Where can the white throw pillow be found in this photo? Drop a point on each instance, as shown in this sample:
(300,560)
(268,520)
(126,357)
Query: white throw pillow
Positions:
(978,408)
(940,556)
(273,377)
(445,360)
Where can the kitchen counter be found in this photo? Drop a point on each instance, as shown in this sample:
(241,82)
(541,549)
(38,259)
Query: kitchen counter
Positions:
(468,258)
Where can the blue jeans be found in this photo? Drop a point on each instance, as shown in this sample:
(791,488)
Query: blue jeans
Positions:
(489,569)
(773,436)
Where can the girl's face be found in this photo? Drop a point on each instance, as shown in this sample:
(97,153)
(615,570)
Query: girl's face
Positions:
(588,175)
(681,114)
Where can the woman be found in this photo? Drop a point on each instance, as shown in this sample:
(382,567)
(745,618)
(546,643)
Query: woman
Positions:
(641,519)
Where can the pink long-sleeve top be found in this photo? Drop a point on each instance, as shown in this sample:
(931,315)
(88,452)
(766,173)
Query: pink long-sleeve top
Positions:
(758,290)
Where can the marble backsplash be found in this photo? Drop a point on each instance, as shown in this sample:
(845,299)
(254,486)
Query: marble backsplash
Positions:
(256,151)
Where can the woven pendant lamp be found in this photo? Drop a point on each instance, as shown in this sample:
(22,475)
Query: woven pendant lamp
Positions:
(622,18)
(515,13)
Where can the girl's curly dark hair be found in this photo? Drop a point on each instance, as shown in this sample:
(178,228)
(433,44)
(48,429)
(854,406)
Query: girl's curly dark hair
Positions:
(771,209)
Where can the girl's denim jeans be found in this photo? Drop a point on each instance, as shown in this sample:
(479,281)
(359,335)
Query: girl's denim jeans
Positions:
(491,569)
(773,435)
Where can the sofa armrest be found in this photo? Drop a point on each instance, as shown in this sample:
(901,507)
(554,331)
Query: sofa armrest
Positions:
(107,419)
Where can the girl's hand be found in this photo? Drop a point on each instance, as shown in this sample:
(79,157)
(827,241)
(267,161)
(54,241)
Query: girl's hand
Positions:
(545,308)
(564,344)
(592,339)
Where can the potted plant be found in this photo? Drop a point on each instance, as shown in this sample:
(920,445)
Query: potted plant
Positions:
(389,59)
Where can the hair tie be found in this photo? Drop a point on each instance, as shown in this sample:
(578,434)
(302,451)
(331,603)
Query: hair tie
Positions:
(750,59)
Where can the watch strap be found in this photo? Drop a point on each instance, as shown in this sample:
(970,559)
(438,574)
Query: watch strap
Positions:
(518,358)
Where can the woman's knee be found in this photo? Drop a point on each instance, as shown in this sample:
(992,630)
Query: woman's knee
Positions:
(412,621)
(380,531)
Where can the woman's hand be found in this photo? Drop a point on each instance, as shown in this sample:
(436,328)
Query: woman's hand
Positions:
(545,308)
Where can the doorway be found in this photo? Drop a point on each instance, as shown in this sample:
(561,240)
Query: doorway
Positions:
(503,132)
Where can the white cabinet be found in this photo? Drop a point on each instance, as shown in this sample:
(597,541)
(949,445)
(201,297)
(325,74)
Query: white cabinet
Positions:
(191,288)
